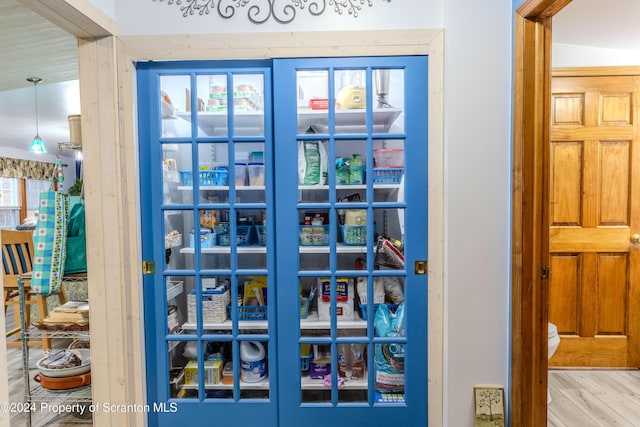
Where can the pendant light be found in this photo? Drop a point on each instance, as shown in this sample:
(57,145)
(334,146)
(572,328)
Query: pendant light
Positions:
(37,146)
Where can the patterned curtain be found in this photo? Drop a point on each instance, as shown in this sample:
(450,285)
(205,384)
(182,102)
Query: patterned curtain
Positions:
(26,169)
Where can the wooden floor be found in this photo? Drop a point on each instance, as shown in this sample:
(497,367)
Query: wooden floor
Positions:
(39,418)
(582,398)
(588,398)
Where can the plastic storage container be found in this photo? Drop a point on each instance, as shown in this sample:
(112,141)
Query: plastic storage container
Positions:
(251,312)
(256,173)
(256,157)
(387,175)
(354,235)
(241,174)
(221,174)
(314,235)
(261,232)
(388,158)
(244,235)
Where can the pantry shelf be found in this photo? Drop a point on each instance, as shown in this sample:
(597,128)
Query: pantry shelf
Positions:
(307,383)
(260,385)
(340,248)
(222,188)
(255,249)
(347,187)
(210,122)
(311,322)
(382,118)
(226,326)
(175,289)
(81,395)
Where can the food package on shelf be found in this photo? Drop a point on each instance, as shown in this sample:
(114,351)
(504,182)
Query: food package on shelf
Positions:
(212,372)
(344,299)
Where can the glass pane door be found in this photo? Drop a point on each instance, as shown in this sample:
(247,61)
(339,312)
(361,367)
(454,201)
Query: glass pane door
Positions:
(285,287)
(206,165)
(352,141)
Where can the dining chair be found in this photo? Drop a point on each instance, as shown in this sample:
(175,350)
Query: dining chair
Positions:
(17,256)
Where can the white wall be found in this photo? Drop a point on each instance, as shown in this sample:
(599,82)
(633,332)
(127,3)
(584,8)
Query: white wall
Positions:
(477,165)
(478,187)
(106,6)
(160,17)
(567,55)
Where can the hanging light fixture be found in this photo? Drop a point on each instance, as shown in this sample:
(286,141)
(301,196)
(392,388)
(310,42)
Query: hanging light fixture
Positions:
(37,146)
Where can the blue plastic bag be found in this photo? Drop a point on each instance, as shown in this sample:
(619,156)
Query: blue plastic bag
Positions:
(389,357)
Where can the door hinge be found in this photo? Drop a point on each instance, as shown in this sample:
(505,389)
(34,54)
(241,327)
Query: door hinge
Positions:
(420,267)
(545,273)
(148,267)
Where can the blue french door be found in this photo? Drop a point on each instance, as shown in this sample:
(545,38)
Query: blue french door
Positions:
(285,241)
(351,220)
(207,218)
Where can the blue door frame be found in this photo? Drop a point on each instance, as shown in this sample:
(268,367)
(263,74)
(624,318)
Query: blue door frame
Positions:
(284,406)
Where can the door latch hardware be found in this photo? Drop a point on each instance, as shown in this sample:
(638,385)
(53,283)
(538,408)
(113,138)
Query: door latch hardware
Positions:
(148,267)
(545,273)
(420,267)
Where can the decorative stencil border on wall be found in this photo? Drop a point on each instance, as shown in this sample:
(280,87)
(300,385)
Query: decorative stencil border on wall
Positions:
(260,11)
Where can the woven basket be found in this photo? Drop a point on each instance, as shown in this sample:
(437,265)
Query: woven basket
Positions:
(214,306)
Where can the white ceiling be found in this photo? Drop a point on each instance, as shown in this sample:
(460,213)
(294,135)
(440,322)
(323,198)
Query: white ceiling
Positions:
(609,24)
(31,46)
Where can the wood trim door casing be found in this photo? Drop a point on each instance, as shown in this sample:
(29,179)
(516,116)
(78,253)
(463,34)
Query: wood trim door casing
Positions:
(595,71)
(530,254)
(107,71)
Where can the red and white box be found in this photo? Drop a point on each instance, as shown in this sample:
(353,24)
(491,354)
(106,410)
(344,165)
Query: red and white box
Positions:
(344,299)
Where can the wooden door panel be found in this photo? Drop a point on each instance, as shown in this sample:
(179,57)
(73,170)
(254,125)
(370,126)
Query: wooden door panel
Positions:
(593,133)
(568,110)
(600,351)
(610,239)
(594,171)
(593,84)
(613,183)
(615,109)
(612,294)
(566,179)
(564,291)
(588,290)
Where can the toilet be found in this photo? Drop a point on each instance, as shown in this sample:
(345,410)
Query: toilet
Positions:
(554,341)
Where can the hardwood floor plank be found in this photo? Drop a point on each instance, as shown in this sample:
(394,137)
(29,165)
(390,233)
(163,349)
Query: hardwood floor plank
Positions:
(602,381)
(630,379)
(599,412)
(628,408)
(594,398)
(566,412)
(564,380)
(553,420)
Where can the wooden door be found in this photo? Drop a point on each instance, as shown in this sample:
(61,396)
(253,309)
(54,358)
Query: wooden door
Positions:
(594,210)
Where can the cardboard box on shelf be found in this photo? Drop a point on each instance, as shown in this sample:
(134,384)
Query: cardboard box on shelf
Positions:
(212,372)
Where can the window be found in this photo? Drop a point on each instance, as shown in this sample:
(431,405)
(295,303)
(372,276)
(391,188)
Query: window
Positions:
(9,203)
(12,193)
(34,188)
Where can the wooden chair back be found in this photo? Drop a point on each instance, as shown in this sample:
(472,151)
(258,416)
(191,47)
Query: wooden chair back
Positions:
(17,255)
